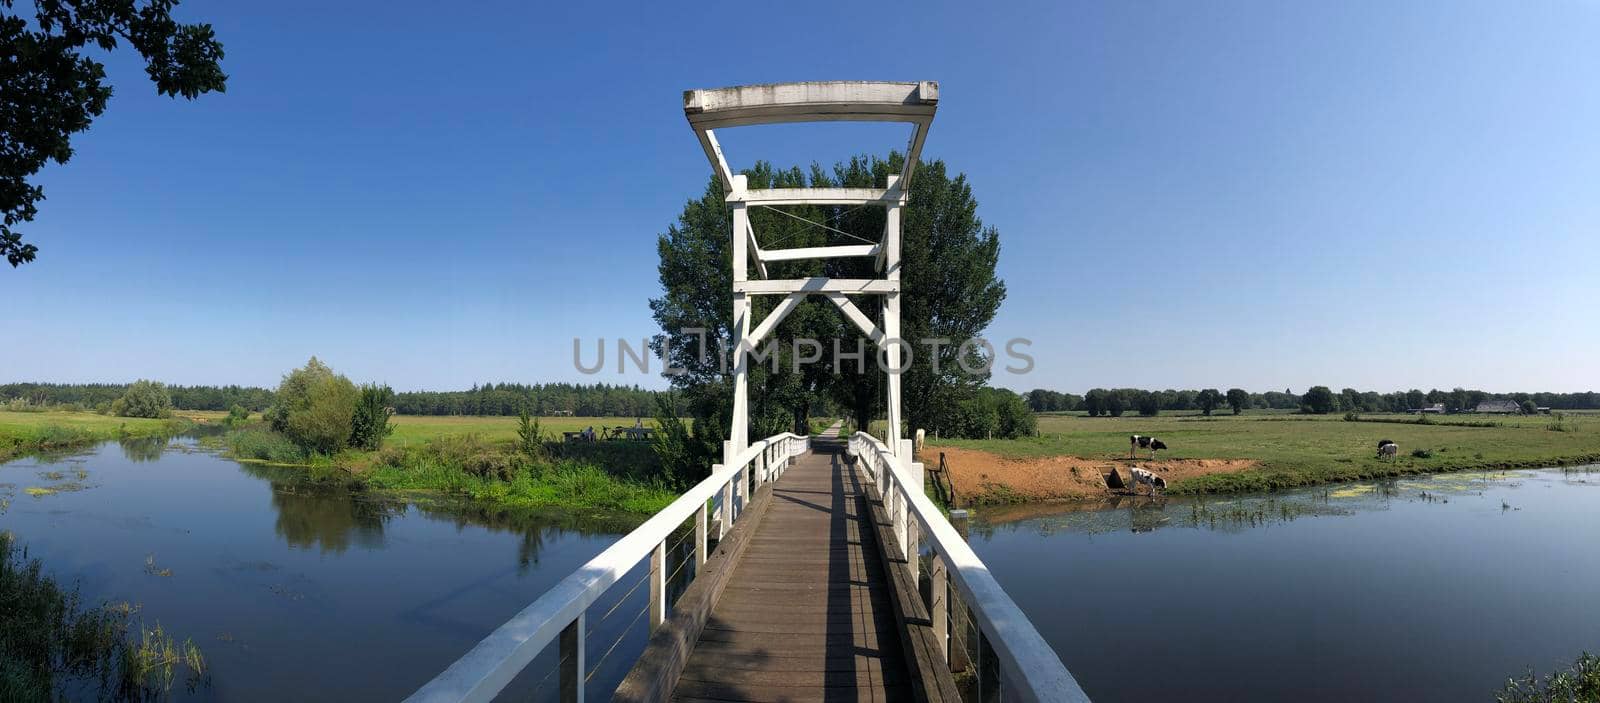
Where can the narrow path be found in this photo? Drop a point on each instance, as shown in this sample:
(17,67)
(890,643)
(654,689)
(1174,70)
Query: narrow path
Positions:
(833,430)
(807,614)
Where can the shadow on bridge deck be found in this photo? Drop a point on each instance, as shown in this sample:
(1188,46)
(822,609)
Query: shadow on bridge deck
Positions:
(807,613)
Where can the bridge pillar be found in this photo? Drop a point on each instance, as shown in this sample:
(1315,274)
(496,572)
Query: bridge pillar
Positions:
(739,434)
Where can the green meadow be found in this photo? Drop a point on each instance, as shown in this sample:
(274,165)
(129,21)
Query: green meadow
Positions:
(1295,449)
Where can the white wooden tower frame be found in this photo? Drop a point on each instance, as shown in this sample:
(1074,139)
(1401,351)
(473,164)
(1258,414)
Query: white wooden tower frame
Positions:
(773,103)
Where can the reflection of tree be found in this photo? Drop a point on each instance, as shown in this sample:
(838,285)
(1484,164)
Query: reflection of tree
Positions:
(532,525)
(330,518)
(139,449)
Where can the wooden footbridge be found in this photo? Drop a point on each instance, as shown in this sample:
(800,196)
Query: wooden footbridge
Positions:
(818,576)
(801,569)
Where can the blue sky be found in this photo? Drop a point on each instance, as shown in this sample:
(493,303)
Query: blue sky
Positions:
(1258,194)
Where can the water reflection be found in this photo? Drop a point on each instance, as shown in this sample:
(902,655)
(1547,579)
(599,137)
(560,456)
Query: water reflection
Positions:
(247,575)
(142,449)
(1433,588)
(331,520)
(533,527)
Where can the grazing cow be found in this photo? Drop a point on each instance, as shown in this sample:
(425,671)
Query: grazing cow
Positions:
(1137,442)
(1143,442)
(1147,478)
(1387,449)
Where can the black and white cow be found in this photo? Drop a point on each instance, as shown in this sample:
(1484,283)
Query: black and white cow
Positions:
(1147,478)
(1143,442)
(1387,449)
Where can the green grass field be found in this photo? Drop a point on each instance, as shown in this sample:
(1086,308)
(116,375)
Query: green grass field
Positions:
(411,429)
(1295,449)
(22,432)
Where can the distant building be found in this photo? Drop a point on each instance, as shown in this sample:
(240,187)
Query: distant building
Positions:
(1505,407)
(1435,409)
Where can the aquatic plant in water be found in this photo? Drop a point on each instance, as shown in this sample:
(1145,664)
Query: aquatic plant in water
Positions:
(53,647)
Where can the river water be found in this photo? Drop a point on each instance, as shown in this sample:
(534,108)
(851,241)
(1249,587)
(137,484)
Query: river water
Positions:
(1432,589)
(296,591)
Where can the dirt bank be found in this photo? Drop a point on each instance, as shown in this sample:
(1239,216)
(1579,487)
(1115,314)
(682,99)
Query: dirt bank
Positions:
(981,477)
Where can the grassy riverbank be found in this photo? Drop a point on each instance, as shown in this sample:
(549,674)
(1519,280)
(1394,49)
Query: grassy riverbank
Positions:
(1262,451)
(26,432)
(479,458)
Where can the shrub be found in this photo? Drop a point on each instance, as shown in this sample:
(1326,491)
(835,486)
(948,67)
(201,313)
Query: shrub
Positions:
(265,445)
(530,439)
(144,399)
(316,408)
(1422,453)
(1579,683)
(370,423)
(1352,417)
(684,458)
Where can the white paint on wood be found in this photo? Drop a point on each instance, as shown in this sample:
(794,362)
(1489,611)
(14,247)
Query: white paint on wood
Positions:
(816,285)
(835,252)
(786,306)
(820,196)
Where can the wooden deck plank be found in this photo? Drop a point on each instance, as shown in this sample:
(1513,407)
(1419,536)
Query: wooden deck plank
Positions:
(807,615)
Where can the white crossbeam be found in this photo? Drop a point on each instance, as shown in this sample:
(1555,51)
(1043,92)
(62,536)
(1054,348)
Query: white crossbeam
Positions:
(838,252)
(816,285)
(819,196)
(773,318)
(855,315)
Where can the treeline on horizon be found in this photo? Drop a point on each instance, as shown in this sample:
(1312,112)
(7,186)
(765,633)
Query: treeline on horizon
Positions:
(595,400)
(1347,400)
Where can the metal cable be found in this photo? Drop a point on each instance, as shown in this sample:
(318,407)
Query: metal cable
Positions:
(613,647)
(834,219)
(818,224)
(547,676)
(618,604)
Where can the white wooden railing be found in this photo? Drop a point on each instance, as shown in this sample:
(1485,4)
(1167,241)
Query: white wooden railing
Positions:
(1029,669)
(483,672)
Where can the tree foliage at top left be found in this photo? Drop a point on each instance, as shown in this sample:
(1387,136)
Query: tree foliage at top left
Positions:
(52,90)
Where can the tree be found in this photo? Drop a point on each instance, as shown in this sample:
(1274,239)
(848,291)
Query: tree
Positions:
(1350,399)
(1208,400)
(52,91)
(949,290)
(1094,402)
(316,408)
(369,425)
(1415,399)
(1319,400)
(1238,399)
(1149,404)
(144,399)
(1113,404)
(1528,408)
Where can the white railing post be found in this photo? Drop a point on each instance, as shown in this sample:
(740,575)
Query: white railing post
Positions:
(741,490)
(700,531)
(939,603)
(658,585)
(572,664)
(724,511)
